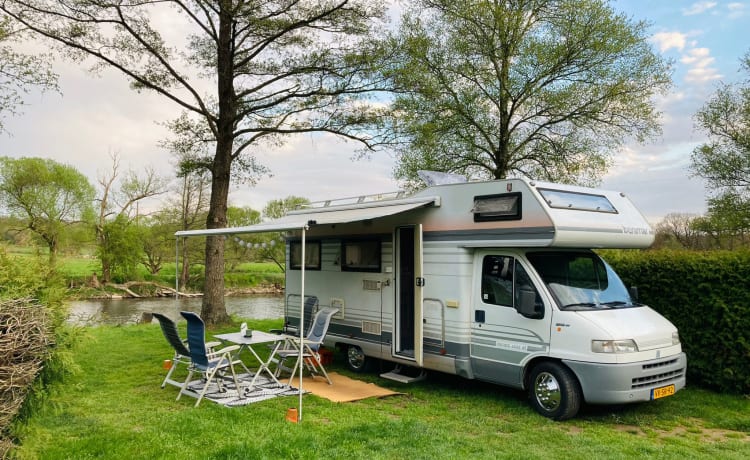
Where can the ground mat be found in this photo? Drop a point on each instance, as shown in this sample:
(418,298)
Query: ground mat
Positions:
(343,389)
(226,394)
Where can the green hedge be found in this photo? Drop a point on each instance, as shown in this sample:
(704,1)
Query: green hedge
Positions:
(707,296)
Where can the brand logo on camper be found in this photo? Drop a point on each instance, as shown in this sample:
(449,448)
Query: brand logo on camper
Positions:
(636,231)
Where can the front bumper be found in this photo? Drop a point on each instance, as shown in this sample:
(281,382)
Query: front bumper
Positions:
(626,383)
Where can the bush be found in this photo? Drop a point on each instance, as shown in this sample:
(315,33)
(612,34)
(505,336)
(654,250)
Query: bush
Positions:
(36,340)
(25,340)
(707,296)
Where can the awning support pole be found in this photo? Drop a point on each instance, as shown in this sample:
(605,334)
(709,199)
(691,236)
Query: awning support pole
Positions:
(302,324)
(176,267)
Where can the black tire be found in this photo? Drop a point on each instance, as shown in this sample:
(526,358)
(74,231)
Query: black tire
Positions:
(554,391)
(356,361)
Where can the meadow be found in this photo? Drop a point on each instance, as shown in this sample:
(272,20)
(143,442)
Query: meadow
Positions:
(113,407)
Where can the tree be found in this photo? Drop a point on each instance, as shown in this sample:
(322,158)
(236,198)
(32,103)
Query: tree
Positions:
(241,251)
(121,248)
(158,241)
(275,209)
(725,160)
(19,72)
(118,202)
(678,227)
(47,195)
(540,88)
(245,73)
(727,222)
(274,249)
(188,208)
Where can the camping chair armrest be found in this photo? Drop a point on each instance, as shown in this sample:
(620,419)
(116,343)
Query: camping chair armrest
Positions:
(212,354)
(228,349)
(211,345)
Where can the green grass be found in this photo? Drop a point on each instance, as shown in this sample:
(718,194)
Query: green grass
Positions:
(79,267)
(115,409)
(77,270)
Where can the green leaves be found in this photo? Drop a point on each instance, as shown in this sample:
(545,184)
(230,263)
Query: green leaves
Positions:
(725,160)
(19,73)
(47,195)
(541,88)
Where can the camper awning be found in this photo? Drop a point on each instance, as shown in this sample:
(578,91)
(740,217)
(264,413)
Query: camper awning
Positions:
(323,216)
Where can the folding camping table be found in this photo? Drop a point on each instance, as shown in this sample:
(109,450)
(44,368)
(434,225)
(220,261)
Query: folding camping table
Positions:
(257,338)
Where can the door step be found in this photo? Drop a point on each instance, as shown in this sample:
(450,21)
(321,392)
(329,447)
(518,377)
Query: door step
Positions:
(396,375)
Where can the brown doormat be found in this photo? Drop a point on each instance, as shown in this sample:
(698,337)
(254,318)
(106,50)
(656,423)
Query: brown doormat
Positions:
(343,389)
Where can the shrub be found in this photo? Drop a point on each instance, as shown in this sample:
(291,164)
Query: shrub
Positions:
(36,341)
(707,296)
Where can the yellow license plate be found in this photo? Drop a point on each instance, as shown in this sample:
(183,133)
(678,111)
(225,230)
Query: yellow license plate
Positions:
(662,392)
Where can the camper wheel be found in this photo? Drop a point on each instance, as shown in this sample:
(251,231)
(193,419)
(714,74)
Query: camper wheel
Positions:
(554,391)
(356,360)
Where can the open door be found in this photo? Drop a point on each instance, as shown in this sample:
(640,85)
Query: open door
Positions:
(409,294)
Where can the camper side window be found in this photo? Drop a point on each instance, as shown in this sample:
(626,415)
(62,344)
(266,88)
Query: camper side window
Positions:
(503,280)
(312,255)
(360,256)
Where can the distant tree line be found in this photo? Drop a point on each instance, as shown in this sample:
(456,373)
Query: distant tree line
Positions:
(48,204)
(724,162)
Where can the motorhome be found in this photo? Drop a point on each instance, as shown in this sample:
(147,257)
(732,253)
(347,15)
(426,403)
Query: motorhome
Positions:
(494,281)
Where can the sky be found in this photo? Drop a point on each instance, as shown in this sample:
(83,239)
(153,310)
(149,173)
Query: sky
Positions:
(96,116)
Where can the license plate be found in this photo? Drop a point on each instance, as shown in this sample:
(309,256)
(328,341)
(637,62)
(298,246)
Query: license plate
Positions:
(662,392)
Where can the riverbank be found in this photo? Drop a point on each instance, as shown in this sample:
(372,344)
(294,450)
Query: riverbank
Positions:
(150,289)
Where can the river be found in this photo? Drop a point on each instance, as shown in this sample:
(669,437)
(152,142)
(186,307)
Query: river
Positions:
(129,311)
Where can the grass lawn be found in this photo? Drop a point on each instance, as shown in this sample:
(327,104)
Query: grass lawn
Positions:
(114,408)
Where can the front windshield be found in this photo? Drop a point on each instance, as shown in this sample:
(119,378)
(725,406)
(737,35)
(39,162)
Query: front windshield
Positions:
(580,280)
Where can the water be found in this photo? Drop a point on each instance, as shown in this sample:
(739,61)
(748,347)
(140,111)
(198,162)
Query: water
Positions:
(129,311)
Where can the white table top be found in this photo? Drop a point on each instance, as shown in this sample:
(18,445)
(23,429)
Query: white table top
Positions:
(258,337)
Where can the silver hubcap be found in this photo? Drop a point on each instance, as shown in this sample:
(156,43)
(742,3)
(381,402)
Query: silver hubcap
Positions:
(356,357)
(547,391)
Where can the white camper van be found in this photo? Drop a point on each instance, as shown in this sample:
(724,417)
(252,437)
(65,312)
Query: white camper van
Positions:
(493,281)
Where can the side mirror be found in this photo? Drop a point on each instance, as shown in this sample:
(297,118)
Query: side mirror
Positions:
(528,307)
(633,291)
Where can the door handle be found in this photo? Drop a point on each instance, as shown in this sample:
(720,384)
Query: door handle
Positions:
(479,316)
(420,281)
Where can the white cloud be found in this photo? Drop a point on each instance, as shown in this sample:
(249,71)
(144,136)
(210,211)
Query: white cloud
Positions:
(701,66)
(736,10)
(668,40)
(698,8)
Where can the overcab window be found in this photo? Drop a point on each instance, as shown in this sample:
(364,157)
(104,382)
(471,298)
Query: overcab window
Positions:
(312,255)
(579,201)
(360,256)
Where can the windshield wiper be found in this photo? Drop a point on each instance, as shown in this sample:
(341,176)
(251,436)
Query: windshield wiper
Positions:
(615,303)
(579,306)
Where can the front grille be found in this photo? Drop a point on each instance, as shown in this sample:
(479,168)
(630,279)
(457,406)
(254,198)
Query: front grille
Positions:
(659,364)
(658,379)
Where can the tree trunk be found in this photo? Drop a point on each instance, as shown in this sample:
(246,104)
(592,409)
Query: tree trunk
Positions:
(213,310)
(52,245)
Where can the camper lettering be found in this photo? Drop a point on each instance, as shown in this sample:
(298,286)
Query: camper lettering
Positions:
(637,230)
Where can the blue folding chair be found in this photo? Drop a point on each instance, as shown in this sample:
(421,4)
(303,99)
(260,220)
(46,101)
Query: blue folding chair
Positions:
(181,352)
(209,364)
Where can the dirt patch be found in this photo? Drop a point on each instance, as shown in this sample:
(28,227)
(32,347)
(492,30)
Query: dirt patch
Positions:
(696,429)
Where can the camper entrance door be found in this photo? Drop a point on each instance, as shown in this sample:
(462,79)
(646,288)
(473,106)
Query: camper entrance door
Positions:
(407,335)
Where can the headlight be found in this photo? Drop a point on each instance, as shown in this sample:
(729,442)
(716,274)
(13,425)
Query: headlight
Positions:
(675,338)
(614,346)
